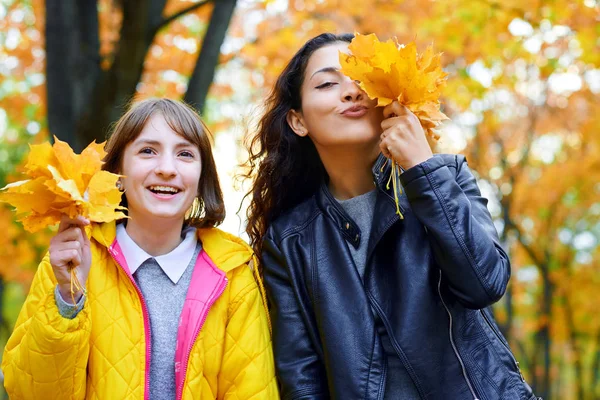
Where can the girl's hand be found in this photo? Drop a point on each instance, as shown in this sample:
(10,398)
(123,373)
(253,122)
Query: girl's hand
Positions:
(403,139)
(69,249)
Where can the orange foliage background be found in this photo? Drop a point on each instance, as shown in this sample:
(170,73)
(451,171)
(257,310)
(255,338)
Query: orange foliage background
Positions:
(524,98)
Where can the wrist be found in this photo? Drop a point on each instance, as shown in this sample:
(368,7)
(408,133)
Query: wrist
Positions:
(417,160)
(65,293)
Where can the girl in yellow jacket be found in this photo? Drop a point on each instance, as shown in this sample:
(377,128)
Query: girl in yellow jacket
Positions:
(170,308)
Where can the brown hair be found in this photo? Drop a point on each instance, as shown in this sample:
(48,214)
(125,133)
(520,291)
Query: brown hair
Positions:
(186,122)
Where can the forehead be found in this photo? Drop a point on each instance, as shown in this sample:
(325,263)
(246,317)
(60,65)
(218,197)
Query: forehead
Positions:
(327,56)
(158,129)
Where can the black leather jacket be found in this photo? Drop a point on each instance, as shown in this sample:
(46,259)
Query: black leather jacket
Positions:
(429,275)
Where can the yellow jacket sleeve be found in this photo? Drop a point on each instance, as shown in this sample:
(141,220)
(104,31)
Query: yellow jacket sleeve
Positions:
(46,356)
(248,369)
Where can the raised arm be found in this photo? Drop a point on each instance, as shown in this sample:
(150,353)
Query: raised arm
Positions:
(444,195)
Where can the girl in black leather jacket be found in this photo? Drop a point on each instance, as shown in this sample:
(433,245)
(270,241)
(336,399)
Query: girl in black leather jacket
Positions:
(368,303)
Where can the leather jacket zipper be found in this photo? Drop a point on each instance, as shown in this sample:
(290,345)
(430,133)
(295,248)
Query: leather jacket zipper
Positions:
(395,345)
(503,344)
(462,364)
(383,382)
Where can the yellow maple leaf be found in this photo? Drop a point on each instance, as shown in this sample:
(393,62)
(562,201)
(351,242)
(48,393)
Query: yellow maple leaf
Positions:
(387,71)
(64,183)
(40,155)
(103,197)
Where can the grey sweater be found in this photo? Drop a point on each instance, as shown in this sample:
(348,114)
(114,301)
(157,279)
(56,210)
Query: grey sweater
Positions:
(399,385)
(164,301)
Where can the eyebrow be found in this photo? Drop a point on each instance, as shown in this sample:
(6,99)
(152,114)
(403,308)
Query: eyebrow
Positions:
(157,143)
(326,69)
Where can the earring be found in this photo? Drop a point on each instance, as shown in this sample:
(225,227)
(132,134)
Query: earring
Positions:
(196,211)
(120,185)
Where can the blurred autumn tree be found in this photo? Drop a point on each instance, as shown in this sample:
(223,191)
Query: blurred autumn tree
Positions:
(90,78)
(523,96)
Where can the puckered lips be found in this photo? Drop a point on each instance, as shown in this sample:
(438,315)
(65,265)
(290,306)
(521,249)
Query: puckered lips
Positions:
(164,191)
(355,111)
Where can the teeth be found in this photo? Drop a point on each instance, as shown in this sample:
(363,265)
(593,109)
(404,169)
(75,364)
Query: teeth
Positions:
(167,189)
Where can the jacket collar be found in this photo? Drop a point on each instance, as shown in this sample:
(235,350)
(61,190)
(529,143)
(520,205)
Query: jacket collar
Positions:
(225,250)
(330,206)
(385,209)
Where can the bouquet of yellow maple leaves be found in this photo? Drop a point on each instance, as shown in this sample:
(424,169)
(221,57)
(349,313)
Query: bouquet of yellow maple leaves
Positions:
(61,182)
(387,71)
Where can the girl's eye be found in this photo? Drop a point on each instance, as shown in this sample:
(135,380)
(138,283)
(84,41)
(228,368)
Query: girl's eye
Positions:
(187,153)
(326,85)
(146,150)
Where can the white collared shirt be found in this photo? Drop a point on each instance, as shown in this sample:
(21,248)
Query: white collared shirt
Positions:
(173,264)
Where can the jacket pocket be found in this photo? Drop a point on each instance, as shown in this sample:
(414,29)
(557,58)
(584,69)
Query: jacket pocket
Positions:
(503,342)
(519,389)
(490,374)
(491,364)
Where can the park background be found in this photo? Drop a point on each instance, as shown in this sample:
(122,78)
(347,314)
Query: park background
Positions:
(523,96)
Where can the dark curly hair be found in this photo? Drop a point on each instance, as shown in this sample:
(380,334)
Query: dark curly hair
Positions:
(285,168)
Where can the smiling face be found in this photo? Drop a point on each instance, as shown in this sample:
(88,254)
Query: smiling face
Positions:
(335,111)
(162,170)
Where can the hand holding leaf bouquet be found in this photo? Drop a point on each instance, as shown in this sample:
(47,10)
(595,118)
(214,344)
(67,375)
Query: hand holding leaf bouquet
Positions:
(70,189)
(70,257)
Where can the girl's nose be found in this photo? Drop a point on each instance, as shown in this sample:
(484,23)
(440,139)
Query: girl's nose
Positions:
(165,166)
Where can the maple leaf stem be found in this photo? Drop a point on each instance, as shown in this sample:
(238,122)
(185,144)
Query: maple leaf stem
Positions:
(396,189)
(387,186)
(75,285)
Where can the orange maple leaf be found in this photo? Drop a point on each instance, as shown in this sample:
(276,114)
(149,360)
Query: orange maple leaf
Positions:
(387,71)
(64,183)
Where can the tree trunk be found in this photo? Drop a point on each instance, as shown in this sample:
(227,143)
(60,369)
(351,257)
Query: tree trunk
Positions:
(595,370)
(116,86)
(544,334)
(577,353)
(61,44)
(83,100)
(208,59)
(88,61)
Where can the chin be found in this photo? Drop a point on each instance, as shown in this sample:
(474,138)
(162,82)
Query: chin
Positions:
(168,215)
(360,137)
(362,130)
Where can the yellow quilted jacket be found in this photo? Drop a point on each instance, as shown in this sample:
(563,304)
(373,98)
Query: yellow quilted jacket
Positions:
(224,349)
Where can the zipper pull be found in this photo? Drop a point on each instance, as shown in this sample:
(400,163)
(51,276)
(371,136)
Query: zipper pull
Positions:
(520,373)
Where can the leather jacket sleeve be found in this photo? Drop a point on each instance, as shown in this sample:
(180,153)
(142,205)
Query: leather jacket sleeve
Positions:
(444,196)
(299,368)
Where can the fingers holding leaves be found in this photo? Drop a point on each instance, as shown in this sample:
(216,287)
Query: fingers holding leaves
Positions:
(403,138)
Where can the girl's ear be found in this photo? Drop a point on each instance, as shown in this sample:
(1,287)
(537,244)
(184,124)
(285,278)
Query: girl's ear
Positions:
(296,122)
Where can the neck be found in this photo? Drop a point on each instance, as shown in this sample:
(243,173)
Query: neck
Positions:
(349,170)
(155,241)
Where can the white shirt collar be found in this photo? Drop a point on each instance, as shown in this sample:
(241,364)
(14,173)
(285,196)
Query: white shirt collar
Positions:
(173,264)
